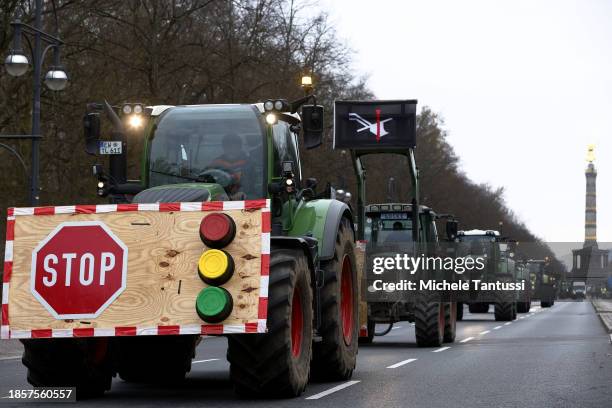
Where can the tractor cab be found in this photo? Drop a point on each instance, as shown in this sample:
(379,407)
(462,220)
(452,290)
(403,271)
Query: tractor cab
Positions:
(391,225)
(206,152)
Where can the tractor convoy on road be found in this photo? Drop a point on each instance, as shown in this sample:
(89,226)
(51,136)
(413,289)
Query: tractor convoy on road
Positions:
(222,235)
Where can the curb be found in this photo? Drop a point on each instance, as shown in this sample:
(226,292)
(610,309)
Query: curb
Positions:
(605,315)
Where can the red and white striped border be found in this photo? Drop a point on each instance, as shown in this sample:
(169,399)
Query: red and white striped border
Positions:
(204,329)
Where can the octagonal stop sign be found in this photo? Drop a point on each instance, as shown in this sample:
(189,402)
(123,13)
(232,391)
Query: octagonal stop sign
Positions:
(79,269)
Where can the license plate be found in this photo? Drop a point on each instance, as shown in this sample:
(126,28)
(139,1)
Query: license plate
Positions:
(112,147)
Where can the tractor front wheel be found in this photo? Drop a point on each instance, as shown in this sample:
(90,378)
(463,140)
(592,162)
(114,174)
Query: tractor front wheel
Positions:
(335,356)
(80,363)
(429,321)
(154,359)
(277,364)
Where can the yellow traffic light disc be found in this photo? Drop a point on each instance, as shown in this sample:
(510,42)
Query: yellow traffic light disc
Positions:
(215,267)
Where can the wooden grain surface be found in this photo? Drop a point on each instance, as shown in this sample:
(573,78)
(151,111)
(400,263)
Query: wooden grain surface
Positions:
(163,251)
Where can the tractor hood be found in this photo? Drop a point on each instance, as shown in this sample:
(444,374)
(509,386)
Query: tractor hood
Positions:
(188,192)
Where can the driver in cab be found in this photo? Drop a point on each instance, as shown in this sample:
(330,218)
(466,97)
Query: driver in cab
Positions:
(233,161)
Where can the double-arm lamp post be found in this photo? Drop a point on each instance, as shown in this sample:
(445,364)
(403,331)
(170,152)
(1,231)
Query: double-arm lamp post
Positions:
(17,64)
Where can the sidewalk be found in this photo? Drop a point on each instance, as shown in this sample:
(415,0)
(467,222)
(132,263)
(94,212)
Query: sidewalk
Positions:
(603,307)
(10,349)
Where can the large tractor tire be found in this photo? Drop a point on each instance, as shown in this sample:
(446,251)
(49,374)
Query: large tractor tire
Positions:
(450,322)
(479,307)
(505,311)
(523,307)
(370,337)
(459,311)
(154,359)
(429,321)
(80,363)
(277,364)
(335,356)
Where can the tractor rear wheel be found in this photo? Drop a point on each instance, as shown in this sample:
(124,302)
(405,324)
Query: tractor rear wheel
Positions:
(277,364)
(80,363)
(335,356)
(504,311)
(154,359)
(429,318)
(523,307)
(450,322)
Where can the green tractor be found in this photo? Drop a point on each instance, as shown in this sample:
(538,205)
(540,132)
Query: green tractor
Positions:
(499,266)
(389,127)
(545,281)
(206,153)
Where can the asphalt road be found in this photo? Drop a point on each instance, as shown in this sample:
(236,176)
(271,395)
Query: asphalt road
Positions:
(557,357)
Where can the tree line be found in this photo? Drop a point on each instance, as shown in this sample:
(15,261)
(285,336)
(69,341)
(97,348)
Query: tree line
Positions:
(211,51)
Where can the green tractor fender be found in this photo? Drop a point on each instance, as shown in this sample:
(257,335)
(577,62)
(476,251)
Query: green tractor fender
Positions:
(320,219)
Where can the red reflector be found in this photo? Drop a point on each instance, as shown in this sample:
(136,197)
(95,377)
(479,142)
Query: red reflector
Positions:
(217,230)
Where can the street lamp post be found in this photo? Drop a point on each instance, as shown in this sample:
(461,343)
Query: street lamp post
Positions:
(56,79)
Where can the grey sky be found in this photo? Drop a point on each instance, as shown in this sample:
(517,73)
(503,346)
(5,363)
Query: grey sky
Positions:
(523,86)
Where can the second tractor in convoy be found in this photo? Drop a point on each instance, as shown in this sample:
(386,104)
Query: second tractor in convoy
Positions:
(389,127)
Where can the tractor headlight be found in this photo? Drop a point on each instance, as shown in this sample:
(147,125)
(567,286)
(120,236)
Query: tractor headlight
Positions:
(138,109)
(271,119)
(127,109)
(100,184)
(268,106)
(278,105)
(135,121)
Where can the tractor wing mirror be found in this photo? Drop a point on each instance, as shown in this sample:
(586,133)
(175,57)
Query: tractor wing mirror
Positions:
(312,125)
(91,131)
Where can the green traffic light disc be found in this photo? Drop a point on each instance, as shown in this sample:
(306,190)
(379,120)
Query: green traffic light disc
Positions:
(214,304)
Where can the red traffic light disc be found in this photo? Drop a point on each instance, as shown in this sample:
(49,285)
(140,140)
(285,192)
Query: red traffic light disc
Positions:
(217,230)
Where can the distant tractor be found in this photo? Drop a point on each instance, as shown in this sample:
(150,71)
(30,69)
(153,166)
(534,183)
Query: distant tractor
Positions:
(221,236)
(499,266)
(389,127)
(545,288)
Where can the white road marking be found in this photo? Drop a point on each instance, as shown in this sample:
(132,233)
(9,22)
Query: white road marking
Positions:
(332,390)
(440,349)
(204,361)
(396,327)
(401,363)
(507,324)
(521,317)
(497,327)
(9,358)
(485,332)
(466,340)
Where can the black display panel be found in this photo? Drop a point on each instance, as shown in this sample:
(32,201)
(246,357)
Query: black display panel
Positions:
(375,125)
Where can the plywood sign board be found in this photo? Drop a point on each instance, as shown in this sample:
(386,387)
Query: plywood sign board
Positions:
(133,270)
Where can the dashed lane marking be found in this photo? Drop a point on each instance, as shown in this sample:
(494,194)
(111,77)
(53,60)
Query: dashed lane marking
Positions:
(204,361)
(332,390)
(440,349)
(521,317)
(466,340)
(485,332)
(507,324)
(497,327)
(396,327)
(401,363)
